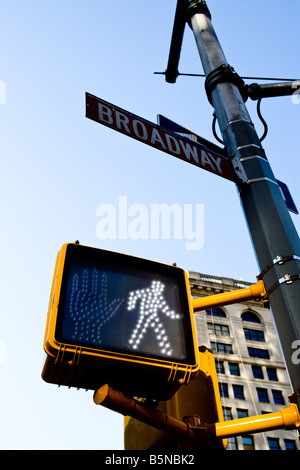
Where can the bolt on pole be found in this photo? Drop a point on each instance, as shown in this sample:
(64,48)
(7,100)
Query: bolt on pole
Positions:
(275,239)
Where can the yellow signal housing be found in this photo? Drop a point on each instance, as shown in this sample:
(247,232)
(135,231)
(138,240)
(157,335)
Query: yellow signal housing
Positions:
(198,403)
(120,320)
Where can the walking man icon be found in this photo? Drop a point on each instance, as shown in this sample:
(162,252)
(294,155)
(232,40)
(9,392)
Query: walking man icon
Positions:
(151,302)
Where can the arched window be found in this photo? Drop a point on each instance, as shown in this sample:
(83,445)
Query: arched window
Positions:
(250,316)
(216,312)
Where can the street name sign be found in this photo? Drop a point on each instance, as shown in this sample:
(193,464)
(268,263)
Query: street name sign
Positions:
(169,125)
(156,136)
(287,197)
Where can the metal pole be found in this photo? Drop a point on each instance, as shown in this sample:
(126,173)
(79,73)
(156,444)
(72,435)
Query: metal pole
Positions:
(273,234)
(177,36)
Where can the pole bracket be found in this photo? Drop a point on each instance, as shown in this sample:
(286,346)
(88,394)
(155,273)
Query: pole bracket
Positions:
(224,73)
(287,278)
(294,397)
(278,260)
(198,6)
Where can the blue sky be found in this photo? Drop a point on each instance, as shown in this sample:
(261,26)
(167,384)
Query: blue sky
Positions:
(57,168)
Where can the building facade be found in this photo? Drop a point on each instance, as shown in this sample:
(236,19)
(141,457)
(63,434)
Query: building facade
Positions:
(251,370)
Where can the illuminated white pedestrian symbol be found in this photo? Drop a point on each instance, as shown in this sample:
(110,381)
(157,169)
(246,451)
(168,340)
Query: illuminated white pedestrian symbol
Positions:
(89,306)
(151,302)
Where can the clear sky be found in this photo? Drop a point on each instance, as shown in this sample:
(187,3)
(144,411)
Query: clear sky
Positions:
(58,167)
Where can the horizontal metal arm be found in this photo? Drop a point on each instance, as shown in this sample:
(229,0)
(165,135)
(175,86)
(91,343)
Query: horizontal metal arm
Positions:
(256,91)
(286,418)
(115,400)
(253,292)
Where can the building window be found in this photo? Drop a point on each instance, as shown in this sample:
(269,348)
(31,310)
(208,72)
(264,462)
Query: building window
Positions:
(258,353)
(223,390)
(221,348)
(227,413)
(250,316)
(238,392)
(273,443)
(231,443)
(278,398)
(290,444)
(234,368)
(241,413)
(248,442)
(218,329)
(272,374)
(254,335)
(216,312)
(262,394)
(220,367)
(257,372)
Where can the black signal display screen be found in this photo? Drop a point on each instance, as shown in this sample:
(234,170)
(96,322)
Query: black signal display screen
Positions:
(111,301)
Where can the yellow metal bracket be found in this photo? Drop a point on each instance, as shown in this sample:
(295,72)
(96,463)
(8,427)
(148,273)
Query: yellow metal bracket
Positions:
(253,292)
(286,418)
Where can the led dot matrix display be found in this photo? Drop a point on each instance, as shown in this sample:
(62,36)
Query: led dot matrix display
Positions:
(118,310)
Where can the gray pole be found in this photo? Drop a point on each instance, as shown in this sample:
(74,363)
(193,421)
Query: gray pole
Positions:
(275,239)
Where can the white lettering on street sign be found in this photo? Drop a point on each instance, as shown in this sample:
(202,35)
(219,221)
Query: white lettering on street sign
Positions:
(151,134)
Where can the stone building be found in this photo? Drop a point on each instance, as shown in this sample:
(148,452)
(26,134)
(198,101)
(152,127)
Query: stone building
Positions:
(251,370)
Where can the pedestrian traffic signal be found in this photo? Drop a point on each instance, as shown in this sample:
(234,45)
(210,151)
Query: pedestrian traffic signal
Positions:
(120,320)
(198,404)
